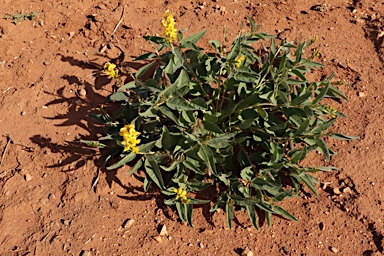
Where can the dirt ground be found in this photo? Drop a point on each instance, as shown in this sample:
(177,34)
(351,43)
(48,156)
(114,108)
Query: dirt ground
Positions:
(47,203)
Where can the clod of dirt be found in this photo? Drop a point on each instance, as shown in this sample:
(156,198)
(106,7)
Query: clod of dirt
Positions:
(361,94)
(247,252)
(333,249)
(201,245)
(28,177)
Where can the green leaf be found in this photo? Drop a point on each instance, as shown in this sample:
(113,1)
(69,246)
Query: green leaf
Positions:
(269,218)
(144,69)
(283,97)
(229,214)
(148,55)
(284,213)
(197,201)
(196,185)
(343,137)
(303,126)
(137,165)
(153,171)
(212,127)
(321,95)
(220,202)
(145,148)
(123,161)
(127,86)
(155,39)
(118,96)
(235,50)
(206,154)
(93,143)
(252,215)
(247,173)
(221,141)
(299,155)
(168,113)
(193,38)
(182,104)
(323,146)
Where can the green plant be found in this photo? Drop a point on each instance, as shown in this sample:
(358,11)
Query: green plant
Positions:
(16,18)
(239,122)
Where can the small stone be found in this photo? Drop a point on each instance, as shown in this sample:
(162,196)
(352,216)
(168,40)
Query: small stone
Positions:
(47,63)
(67,222)
(23,113)
(336,191)
(158,239)
(71,34)
(86,253)
(201,245)
(347,190)
(28,177)
(128,223)
(7,193)
(163,231)
(247,252)
(361,94)
(41,22)
(333,249)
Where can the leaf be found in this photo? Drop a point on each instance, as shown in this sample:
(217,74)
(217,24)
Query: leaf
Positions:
(252,215)
(303,126)
(137,165)
(299,155)
(269,218)
(235,50)
(148,55)
(206,154)
(144,69)
(323,146)
(247,173)
(155,39)
(93,143)
(196,185)
(180,103)
(229,214)
(321,95)
(220,202)
(123,161)
(197,201)
(216,44)
(168,113)
(221,141)
(118,96)
(127,86)
(193,38)
(212,127)
(283,97)
(145,148)
(153,171)
(343,137)
(284,213)
(181,210)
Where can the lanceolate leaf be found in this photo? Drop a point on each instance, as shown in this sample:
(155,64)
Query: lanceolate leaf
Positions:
(153,171)
(124,160)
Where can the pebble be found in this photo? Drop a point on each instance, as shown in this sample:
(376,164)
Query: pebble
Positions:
(46,63)
(201,245)
(333,249)
(129,223)
(164,231)
(361,94)
(247,252)
(28,177)
(347,190)
(82,92)
(336,191)
(23,113)
(86,253)
(158,239)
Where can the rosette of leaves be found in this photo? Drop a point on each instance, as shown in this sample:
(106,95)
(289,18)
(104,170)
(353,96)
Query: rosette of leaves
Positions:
(208,120)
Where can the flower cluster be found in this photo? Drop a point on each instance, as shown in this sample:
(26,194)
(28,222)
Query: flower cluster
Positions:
(111,70)
(168,22)
(239,60)
(129,135)
(182,194)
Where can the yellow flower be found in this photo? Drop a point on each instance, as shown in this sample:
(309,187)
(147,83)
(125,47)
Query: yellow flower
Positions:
(111,70)
(168,22)
(182,195)
(130,140)
(239,60)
